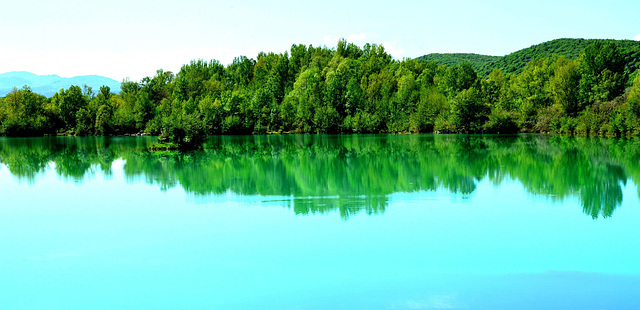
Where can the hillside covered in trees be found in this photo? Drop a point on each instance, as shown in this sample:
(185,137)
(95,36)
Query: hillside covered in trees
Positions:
(516,61)
(477,61)
(349,89)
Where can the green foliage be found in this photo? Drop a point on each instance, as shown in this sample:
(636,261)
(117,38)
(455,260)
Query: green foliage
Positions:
(633,107)
(192,80)
(603,73)
(23,113)
(532,88)
(515,62)
(478,62)
(430,105)
(352,90)
(602,119)
(164,146)
(549,119)
(564,84)
(68,102)
(457,78)
(501,122)
(468,111)
(103,120)
(84,125)
(183,125)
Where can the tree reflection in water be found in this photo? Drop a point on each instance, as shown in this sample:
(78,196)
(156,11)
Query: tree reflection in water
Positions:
(350,173)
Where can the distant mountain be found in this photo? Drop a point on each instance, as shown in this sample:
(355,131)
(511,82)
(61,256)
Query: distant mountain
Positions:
(47,85)
(516,61)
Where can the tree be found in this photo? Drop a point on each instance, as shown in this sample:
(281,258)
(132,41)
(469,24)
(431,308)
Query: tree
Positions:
(159,87)
(633,101)
(212,113)
(430,105)
(22,112)
(144,110)
(103,120)
(264,107)
(494,88)
(469,111)
(68,103)
(182,125)
(105,91)
(300,59)
(240,72)
(603,73)
(307,94)
(84,123)
(564,84)
(458,78)
(346,89)
(531,91)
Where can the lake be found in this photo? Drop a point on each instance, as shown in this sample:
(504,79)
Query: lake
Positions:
(321,222)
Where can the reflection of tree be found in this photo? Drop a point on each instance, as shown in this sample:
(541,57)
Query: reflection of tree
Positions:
(24,158)
(346,206)
(73,157)
(350,174)
(561,166)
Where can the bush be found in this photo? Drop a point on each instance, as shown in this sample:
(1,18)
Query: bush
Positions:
(548,119)
(501,122)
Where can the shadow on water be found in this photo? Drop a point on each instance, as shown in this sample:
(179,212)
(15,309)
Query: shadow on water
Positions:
(352,173)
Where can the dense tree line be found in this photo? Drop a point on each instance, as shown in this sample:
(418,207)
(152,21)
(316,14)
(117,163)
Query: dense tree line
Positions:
(348,89)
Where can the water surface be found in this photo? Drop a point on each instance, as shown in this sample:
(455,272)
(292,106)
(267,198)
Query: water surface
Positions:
(321,222)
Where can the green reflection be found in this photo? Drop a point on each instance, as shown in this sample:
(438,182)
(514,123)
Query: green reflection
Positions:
(352,173)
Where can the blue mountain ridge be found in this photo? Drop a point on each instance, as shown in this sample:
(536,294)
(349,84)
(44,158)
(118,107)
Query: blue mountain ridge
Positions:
(47,85)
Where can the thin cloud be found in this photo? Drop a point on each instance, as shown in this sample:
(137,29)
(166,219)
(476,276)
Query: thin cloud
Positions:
(637,37)
(357,37)
(393,49)
(330,40)
(354,37)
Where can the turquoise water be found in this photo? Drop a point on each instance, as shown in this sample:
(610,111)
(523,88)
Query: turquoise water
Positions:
(321,222)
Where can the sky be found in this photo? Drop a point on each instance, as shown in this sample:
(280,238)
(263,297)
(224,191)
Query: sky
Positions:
(131,39)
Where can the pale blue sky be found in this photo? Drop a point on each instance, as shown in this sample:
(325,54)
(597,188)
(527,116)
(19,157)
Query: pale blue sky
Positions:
(134,38)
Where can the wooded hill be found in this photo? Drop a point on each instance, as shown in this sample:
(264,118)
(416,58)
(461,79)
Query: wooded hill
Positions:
(352,89)
(516,61)
(476,61)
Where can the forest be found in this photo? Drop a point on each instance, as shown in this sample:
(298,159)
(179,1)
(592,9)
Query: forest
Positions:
(347,89)
(516,61)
